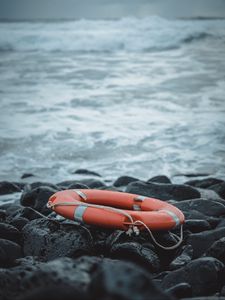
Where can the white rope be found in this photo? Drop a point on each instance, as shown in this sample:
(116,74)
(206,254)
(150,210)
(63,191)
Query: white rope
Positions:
(132,228)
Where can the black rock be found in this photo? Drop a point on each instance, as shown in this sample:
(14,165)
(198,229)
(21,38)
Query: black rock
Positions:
(163,191)
(160,179)
(204,183)
(206,298)
(86,172)
(38,184)
(196,226)
(217,250)
(9,232)
(78,186)
(9,252)
(115,279)
(181,290)
(203,275)
(202,241)
(58,279)
(27,175)
(19,222)
(38,198)
(49,240)
(136,253)
(92,183)
(183,259)
(124,181)
(206,207)
(219,188)
(2,215)
(7,187)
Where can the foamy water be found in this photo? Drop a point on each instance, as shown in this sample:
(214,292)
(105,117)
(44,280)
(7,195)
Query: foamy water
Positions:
(134,96)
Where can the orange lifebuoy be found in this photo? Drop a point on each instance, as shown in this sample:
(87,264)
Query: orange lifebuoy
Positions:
(116,210)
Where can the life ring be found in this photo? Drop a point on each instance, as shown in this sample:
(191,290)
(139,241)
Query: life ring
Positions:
(116,210)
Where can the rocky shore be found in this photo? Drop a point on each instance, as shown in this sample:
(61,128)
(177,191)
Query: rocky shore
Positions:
(46,257)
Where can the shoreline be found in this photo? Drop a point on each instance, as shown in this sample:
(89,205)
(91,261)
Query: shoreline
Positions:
(43,255)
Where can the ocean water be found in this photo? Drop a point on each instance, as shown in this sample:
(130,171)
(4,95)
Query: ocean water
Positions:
(140,97)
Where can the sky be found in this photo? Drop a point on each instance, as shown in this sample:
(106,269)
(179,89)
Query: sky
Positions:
(94,9)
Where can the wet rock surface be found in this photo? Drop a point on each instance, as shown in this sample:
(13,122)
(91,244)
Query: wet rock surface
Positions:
(45,257)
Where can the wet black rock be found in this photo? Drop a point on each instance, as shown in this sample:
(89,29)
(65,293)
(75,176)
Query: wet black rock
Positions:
(206,298)
(38,184)
(7,187)
(196,226)
(204,183)
(9,232)
(114,279)
(77,186)
(184,257)
(9,252)
(19,222)
(200,242)
(93,183)
(217,250)
(124,181)
(49,240)
(177,192)
(219,188)
(27,175)
(2,215)
(160,179)
(137,253)
(71,184)
(206,207)
(86,172)
(203,275)
(37,198)
(181,290)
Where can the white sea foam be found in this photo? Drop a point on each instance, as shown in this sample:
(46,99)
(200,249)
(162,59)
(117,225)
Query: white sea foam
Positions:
(129,34)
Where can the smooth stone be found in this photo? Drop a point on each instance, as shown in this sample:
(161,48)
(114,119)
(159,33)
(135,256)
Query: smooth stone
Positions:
(49,240)
(206,207)
(7,187)
(202,241)
(37,184)
(86,172)
(9,232)
(183,259)
(115,279)
(2,215)
(78,186)
(204,183)
(219,189)
(217,250)
(19,222)
(93,183)
(196,226)
(163,191)
(202,274)
(27,175)
(37,198)
(124,181)
(137,253)
(180,290)
(205,298)
(160,179)
(9,252)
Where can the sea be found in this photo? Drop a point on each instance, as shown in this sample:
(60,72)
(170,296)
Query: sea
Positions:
(131,96)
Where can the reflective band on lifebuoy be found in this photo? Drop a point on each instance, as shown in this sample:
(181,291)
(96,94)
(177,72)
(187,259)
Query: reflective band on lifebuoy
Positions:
(115,209)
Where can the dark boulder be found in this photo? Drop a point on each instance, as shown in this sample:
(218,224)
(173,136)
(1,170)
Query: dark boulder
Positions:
(163,191)
(37,198)
(115,279)
(217,250)
(182,259)
(219,188)
(37,184)
(136,253)
(93,183)
(49,240)
(196,226)
(124,181)
(204,183)
(7,187)
(203,275)
(9,252)
(200,242)
(19,222)
(181,290)
(9,232)
(2,215)
(206,207)
(86,172)
(160,179)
